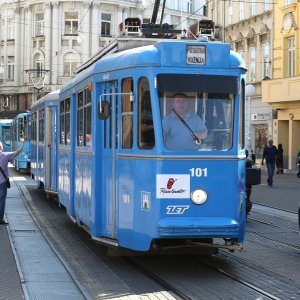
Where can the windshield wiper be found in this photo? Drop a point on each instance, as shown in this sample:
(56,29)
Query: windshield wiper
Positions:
(196,139)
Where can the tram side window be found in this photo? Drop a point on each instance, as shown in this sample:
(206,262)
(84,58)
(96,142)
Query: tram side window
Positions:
(20,128)
(88,118)
(25,130)
(145,123)
(67,121)
(84,118)
(62,121)
(80,119)
(33,127)
(41,125)
(127,114)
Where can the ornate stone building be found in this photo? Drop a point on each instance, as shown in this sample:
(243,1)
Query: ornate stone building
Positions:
(59,35)
(283,90)
(248,27)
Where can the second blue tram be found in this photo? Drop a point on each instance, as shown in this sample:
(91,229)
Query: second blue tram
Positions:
(5,134)
(20,128)
(44,116)
(119,177)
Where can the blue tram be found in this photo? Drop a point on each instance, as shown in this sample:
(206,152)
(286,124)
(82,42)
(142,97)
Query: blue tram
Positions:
(20,128)
(5,134)
(43,146)
(119,174)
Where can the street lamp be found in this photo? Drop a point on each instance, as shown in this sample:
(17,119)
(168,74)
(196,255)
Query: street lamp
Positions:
(250,91)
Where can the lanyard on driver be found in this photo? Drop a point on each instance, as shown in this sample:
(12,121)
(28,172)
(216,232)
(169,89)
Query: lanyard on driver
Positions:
(196,139)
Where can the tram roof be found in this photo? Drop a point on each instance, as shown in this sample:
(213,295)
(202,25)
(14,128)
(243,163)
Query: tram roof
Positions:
(218,56)
(5,121)
(52,96)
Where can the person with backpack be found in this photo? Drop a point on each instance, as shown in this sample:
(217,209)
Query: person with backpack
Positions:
(5,157)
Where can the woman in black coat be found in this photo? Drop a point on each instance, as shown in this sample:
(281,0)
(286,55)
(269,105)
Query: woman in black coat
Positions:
(279,159)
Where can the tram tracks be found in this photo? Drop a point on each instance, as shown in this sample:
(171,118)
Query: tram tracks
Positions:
(241,286)
(192,276)
(277,226)
(243,282)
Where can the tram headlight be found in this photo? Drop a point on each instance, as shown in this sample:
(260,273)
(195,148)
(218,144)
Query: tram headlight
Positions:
(198,196)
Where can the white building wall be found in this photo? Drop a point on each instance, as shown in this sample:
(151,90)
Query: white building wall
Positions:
(53,45)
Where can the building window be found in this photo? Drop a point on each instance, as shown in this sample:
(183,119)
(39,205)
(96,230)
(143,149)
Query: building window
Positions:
(291,56)
(70,64)
(288,2)
(241,11)
(10,67)
(266,59)
(190,6)
(267,5)
(3,28)
(252,63)
(10,29)
(2,67)
(241,52)
(230,12)
(38,63)
(71,23)
(175,4)
(105,24)
(253,7)
(39,25)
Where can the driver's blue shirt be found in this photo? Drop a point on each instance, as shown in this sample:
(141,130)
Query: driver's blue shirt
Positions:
(176,134)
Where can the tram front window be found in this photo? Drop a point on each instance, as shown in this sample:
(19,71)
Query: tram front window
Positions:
(6,135)
(197,121)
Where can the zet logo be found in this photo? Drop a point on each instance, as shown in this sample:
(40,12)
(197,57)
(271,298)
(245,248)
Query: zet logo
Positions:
(176,209)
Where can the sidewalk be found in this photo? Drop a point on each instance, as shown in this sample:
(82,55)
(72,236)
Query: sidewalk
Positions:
(31,269)
(285,193)
(10,283)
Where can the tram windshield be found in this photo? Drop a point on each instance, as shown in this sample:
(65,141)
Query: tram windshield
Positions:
(6,135)
(197,111)
(197,121)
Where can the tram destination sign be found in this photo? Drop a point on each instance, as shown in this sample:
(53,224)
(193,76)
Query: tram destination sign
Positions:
(196,55)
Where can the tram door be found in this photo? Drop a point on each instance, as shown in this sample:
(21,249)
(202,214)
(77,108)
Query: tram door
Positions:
(108,173)
(50,140)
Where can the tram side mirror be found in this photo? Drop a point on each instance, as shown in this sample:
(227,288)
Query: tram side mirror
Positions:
(103,110)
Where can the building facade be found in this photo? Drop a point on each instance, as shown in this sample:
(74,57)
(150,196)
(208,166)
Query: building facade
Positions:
(248,27)
(283,90)
(51,38)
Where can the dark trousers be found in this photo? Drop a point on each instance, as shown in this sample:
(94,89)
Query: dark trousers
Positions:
(3,192)
(270,167)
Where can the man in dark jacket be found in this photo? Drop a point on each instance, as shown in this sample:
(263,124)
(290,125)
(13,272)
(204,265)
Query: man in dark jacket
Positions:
(269,154)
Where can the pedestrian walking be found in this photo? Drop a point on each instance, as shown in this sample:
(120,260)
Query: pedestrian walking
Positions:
(279,159)
(298,163)
(5,157)
(269,155)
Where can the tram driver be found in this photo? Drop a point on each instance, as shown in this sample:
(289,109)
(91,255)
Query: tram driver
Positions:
(183,130)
